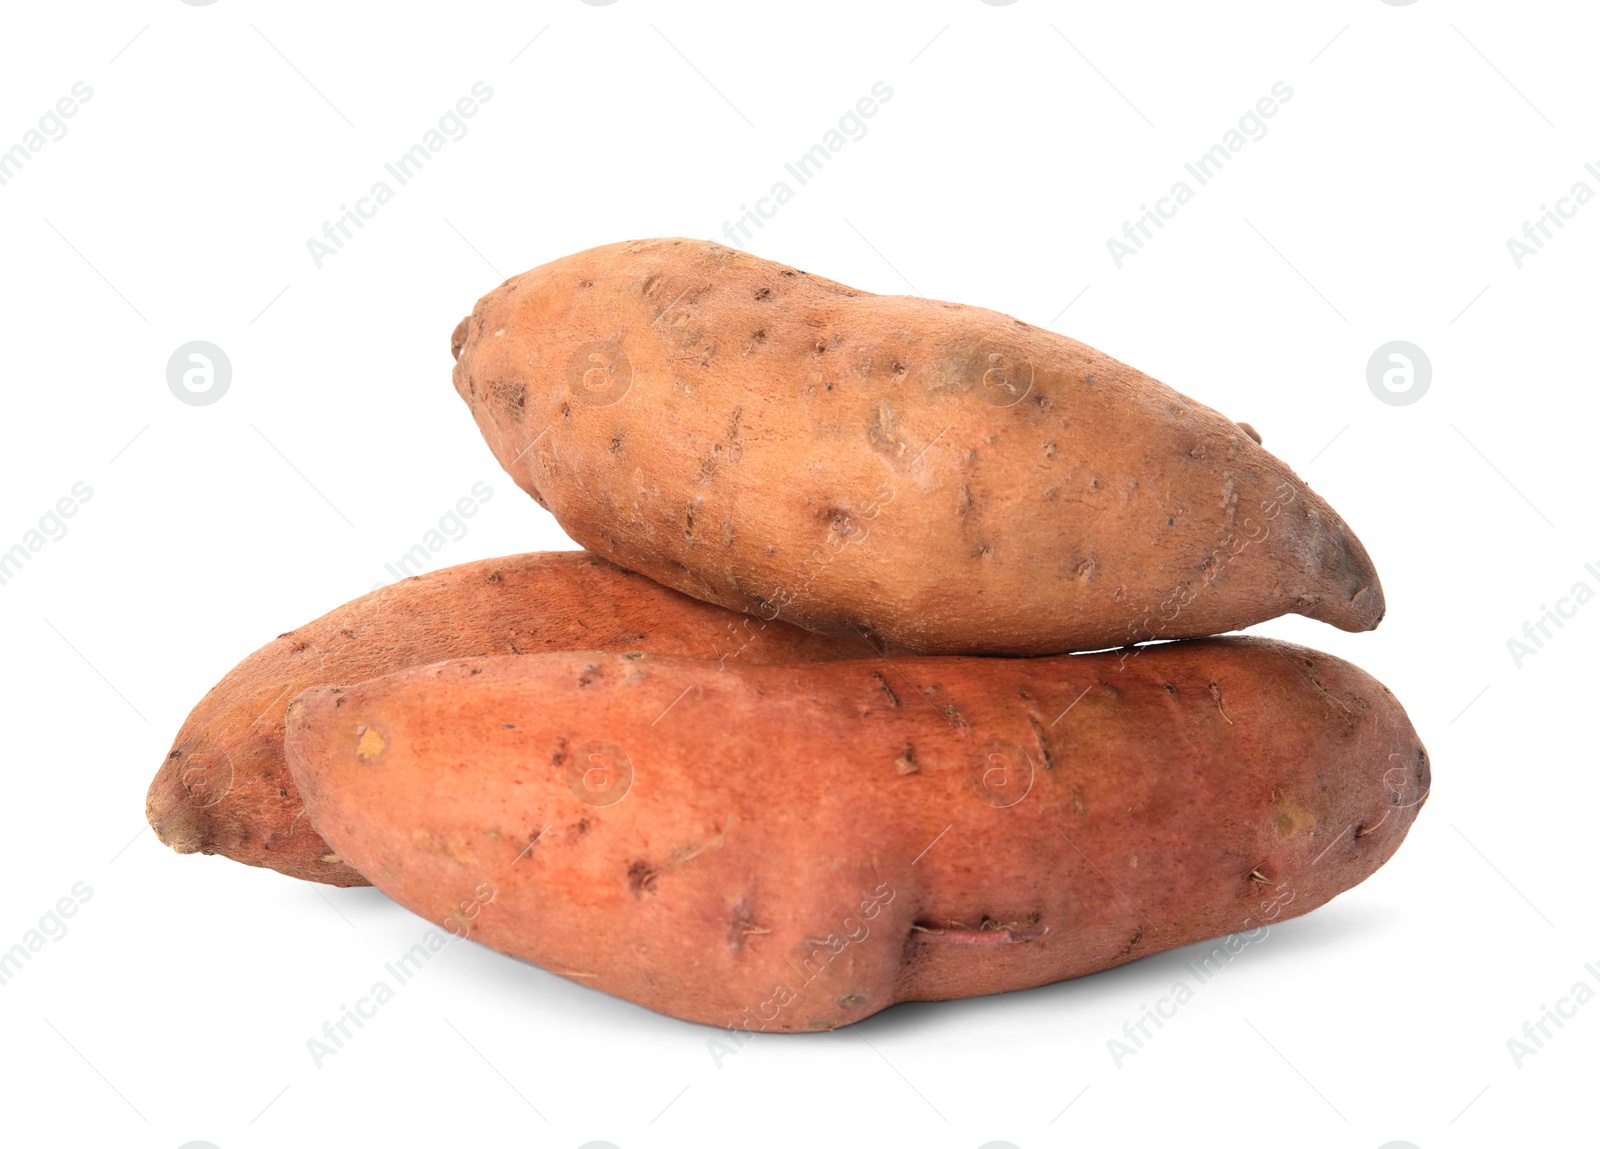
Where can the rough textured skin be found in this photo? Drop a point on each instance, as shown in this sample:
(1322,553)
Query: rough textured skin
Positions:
(796,847)
(950,478)
(224,787)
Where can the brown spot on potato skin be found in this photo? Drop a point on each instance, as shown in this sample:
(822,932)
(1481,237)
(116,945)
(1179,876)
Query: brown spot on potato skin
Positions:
(641,877)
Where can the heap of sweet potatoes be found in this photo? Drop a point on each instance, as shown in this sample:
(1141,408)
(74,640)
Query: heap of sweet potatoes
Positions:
(772,785)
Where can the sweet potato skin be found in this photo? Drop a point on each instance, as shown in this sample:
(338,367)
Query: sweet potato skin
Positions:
(950,478)
(224,787)
(797,847)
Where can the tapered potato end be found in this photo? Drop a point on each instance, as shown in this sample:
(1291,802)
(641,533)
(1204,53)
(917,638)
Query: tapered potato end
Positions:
(1351,595)
(202,801)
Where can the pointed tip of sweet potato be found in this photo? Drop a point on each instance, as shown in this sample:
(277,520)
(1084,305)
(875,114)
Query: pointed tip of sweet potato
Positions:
(192,780)
(1352,595)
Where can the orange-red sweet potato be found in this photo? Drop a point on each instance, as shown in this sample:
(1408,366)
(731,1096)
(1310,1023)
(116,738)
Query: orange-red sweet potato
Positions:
(953,479)
(224,787)
(796,847)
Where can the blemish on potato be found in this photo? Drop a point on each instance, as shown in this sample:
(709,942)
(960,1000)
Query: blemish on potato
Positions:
(742,926)
(1216,696)
(642,877)
(1290,819)
(1043,742)
(369,743)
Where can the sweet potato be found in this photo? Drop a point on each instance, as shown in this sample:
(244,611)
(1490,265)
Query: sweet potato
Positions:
(796,847)
(953,479)
(224,787)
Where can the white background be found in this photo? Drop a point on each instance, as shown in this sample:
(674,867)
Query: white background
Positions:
(218,140)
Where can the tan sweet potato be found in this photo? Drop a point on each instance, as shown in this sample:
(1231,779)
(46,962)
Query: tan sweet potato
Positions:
(953,479)
(796,847)
(224,787)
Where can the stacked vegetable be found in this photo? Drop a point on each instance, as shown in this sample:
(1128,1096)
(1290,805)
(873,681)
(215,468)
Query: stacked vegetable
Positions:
(773,784)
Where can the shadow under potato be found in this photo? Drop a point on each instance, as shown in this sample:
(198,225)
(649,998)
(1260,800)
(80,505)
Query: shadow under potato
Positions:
(496,977)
